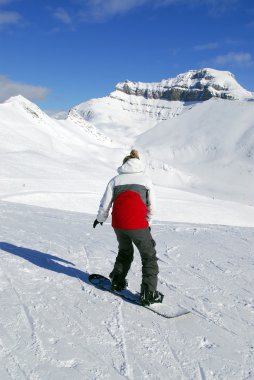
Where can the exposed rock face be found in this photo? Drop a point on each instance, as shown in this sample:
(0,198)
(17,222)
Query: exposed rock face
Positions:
(194,85)
(139,106)
(196,93)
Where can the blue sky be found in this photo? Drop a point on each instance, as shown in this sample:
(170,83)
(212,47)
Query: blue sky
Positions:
(60,53)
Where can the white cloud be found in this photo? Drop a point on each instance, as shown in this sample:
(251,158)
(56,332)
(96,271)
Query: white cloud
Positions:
(239,59)
(215,7)
(103,9)
(10,88)
(7,18)
(100,10)
(62,15)
(208,46)
(222,6)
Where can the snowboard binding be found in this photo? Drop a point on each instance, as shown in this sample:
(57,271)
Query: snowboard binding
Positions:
(118,283)
(148,297)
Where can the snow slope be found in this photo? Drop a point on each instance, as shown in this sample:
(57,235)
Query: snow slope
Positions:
(123,117)
(135,107)
(66,164)
(211,147)
(54,325)
(41,154)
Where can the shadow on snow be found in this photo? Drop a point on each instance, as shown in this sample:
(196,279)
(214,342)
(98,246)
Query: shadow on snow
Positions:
(45,260)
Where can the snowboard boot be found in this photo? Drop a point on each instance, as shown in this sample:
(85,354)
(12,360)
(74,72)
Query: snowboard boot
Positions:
(148,297)
(118,283)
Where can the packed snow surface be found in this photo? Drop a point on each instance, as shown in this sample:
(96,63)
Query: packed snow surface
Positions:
(54,325)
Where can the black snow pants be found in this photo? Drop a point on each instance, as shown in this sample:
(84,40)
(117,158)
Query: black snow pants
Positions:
(143,240)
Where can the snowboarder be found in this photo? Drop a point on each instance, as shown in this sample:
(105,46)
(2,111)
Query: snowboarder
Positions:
(131,194)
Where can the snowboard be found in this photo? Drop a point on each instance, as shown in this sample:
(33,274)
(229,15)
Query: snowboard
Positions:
(162,309)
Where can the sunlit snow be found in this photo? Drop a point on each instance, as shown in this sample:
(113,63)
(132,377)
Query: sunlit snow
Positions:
(53,324)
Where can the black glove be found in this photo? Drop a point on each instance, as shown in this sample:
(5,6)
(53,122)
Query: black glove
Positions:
(96,222)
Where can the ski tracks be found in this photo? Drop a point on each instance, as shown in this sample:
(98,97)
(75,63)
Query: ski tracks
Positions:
(114,324)
(116,329)
(169,355)
(86,257)
(174,357)
(12,367)
(25,336)
(203,282)
(248,361)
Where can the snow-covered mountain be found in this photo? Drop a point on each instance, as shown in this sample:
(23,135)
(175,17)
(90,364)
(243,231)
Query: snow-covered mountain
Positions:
(41,154)
(210,147)
(139,106)
(194,85)
(123,117)
(195,130)
(203,148)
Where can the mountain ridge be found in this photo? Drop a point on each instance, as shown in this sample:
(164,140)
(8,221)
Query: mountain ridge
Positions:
(133,104)
(193,85)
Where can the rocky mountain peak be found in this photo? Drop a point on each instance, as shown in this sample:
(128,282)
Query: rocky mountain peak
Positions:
(194,85)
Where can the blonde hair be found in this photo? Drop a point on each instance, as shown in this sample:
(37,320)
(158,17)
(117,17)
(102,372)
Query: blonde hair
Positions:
(133,154)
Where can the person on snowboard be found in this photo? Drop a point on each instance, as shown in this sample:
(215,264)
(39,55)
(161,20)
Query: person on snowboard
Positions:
(131,194)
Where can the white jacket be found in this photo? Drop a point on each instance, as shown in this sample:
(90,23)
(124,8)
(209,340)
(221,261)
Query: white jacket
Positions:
(131,178)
